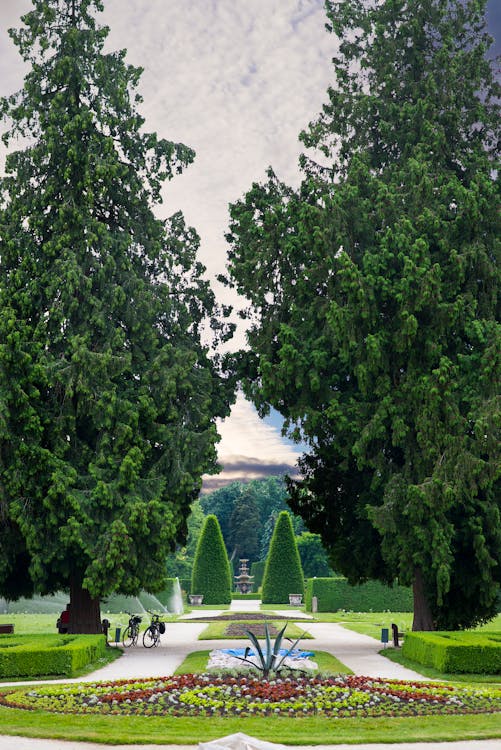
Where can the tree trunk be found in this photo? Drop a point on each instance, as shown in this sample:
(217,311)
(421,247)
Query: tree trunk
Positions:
(423,619)
(85,612)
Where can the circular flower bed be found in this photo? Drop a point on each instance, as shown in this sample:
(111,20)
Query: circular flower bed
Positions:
(207,695)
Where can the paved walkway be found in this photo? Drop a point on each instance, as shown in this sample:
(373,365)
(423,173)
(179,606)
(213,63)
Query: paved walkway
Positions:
(25,743)
(358,652)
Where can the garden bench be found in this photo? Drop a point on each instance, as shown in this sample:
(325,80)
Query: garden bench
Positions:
(7,628)
(396,635)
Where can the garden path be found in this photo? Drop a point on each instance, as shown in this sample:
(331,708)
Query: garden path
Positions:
(27,743)
(358,652)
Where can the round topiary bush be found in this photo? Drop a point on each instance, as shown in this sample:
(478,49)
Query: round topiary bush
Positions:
(283,574)
(211,568)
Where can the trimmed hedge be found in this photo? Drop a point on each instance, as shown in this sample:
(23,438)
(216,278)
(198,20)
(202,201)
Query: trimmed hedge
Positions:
(257,570)
(336,593)
(41,655)
(211,568)
(238,595)
(455,652)
(283,574)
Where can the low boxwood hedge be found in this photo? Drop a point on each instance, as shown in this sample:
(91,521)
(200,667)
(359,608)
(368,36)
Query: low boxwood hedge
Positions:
(455,652)
(41,655)
(251,595)
(336,593)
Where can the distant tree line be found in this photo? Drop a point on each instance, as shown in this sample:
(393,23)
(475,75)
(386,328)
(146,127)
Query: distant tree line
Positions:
(247,513)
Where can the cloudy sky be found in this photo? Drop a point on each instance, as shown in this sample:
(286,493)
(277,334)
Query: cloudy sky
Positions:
(236,80)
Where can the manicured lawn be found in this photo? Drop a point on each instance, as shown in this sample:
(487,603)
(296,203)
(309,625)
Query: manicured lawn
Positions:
(38,623)
(297,731)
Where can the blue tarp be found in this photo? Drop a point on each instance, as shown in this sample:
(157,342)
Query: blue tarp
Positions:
(294,654)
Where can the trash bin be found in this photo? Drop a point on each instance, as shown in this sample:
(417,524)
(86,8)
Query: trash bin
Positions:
(384,635)
(117,635)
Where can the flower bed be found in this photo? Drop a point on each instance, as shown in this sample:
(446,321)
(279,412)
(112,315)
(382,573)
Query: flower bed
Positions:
(239,629)
(209,695)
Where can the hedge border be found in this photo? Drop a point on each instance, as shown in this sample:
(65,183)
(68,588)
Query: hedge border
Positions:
(43,655)
(336,593)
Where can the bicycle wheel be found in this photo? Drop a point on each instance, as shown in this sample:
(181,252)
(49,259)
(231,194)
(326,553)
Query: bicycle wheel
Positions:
(150,637)
(129,637)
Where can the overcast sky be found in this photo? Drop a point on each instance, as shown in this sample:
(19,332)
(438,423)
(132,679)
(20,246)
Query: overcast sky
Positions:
(236,80)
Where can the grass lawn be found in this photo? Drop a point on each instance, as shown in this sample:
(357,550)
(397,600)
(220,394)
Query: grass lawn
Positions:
(218,630)
(297,731)
(29,624)
(371,623)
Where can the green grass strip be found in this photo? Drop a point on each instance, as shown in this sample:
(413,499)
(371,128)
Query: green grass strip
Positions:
(297,731)
(217,630)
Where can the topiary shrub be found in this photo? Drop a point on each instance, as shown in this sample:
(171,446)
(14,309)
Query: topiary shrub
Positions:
(283,574)
(211,568)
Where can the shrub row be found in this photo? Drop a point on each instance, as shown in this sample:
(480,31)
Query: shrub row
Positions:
(455,652)
(41,655)
(336,593)
(252,595)
(257,570)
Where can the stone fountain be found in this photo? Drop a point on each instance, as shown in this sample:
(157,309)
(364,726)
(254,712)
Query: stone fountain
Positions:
(243,581)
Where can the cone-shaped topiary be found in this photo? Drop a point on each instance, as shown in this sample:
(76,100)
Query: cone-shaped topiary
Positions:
(211,568)
(283,574)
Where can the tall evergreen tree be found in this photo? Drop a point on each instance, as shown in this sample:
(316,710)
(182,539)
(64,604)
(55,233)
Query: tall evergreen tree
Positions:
(108,398)
(244,528)
(374,301)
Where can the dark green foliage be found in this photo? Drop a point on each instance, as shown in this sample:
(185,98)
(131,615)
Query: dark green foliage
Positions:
(42,655)
(313,556)
(211,569)
(374,306)
(334,594)
(244,529)
(269,496)
(108,398)
(454,653)
(257,570)
(180,562)
(282,574)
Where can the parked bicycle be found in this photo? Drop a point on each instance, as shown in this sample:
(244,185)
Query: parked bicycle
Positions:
(131,632)
(156,628)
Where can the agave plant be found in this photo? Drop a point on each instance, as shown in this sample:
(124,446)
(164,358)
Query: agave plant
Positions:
(271,659)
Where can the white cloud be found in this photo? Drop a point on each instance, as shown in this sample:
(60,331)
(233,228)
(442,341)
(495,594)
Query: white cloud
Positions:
(245,429)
